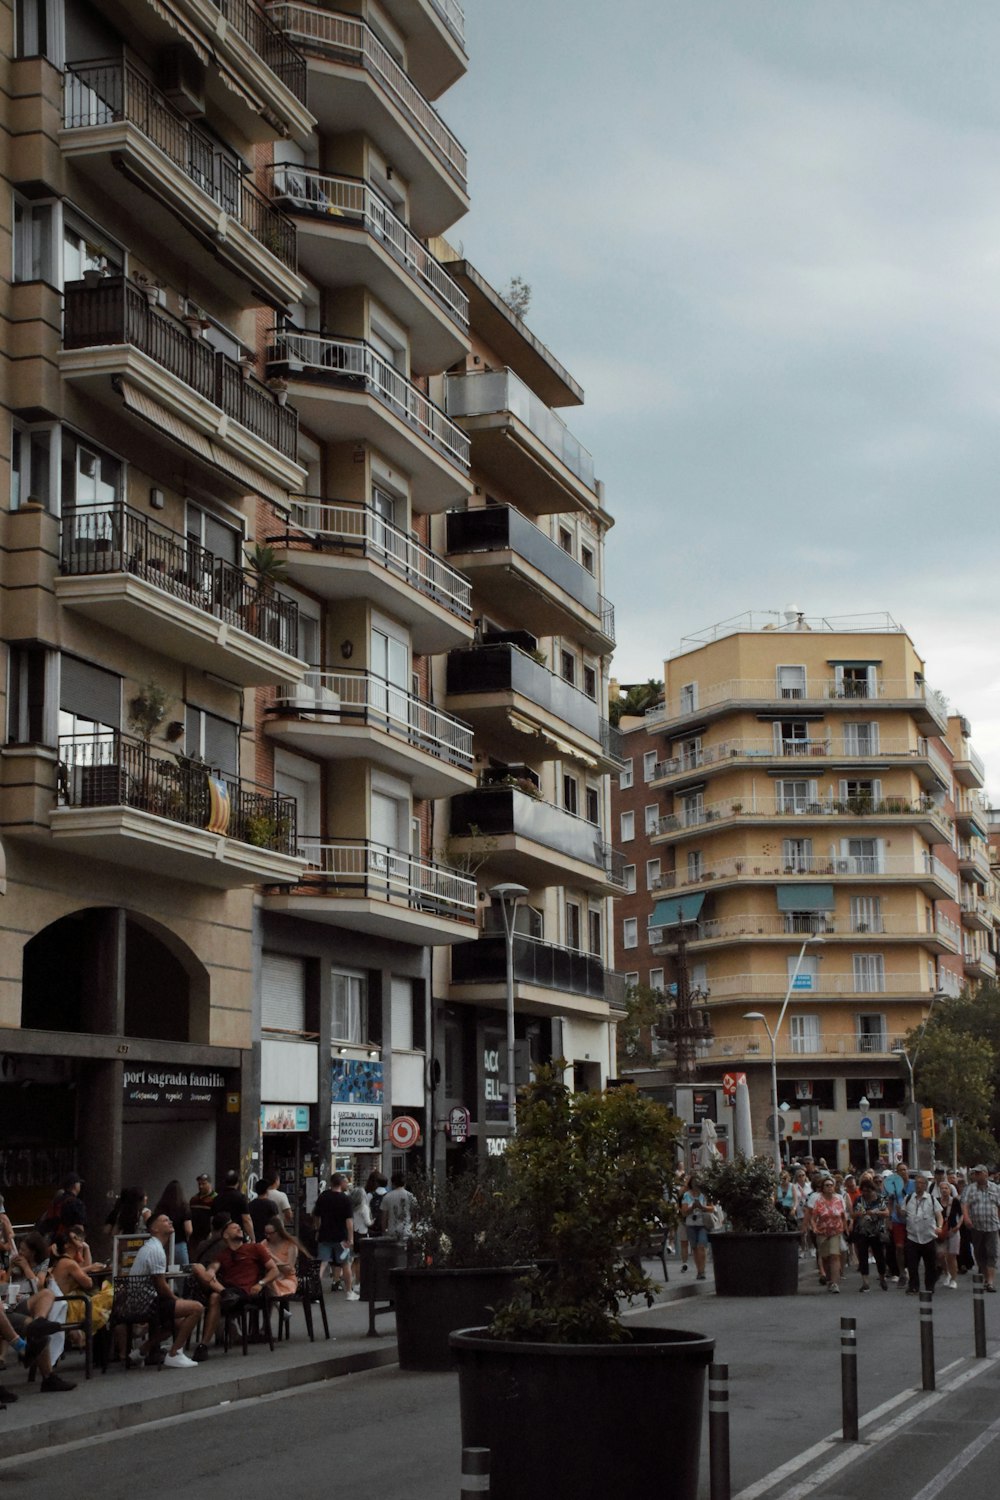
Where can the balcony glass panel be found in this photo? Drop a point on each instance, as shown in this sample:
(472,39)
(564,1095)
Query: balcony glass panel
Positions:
(493,811)
(485,962)
(503,391)
(493,669)
(499,527)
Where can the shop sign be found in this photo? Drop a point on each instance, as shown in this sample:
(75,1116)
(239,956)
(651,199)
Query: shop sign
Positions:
(283,1117)
(496,1145)
(494,1090)
(356,1081)
(171,1085)
(356,1129)
(458,1123)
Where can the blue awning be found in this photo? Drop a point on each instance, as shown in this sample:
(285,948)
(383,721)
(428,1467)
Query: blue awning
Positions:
(672,911)
(805,898)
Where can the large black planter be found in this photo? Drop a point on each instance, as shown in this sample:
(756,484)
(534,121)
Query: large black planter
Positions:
(563,1421)
(756,1265)
(430,1304)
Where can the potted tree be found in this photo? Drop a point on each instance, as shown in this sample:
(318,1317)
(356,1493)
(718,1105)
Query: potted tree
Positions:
(757,1255)
(552,1383)
(467,1252)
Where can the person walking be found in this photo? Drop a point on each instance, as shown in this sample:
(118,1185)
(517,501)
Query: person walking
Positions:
(948,1244)
(922,1225)
(981,1212)
(696,1214)
(870,1224)
(828,1218)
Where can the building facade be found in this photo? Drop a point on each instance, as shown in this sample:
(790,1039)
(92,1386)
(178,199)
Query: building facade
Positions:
(802,818)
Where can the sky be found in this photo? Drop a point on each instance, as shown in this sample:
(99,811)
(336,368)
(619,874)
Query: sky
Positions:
(764,235)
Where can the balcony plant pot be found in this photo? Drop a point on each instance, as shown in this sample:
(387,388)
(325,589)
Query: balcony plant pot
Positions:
(756,1265)
(432,1302)
(565,1420)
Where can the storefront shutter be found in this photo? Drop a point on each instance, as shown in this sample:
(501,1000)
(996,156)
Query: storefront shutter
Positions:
(283,993)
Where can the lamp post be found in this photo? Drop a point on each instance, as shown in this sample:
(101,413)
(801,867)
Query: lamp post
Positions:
(755,1015)
(864,1105)
(900,1049)
(509,894)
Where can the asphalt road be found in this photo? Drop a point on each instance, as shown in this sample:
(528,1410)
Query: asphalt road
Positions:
(397,1434)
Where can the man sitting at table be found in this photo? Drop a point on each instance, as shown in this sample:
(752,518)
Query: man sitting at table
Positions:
(245,1268)
(166,1309)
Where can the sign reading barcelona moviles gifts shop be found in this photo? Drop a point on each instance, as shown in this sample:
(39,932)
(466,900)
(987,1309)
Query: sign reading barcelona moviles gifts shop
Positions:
(151,1084)
(356,1096)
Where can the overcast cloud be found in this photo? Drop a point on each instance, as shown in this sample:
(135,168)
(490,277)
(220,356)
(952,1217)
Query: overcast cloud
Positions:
(766,239)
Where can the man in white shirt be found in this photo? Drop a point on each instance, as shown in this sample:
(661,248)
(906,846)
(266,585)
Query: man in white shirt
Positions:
(397,1209)
(278,1198)
(166,1309)
(922,1218)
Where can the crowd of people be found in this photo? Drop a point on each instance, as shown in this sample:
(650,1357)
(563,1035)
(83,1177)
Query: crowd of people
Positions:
(198,1259)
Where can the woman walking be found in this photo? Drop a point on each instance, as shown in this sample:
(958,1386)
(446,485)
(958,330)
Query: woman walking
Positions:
(828,1217)
(696,1211)
(871,1231)
(950,1241)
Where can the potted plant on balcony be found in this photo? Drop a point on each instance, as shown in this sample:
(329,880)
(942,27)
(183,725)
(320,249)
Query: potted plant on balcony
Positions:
(148,709)
(757,1255)
(588,1171)
(469,1248)
(267,569)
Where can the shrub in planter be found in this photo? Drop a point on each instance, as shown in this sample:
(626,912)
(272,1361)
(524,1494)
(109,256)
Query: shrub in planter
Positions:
(758,1256)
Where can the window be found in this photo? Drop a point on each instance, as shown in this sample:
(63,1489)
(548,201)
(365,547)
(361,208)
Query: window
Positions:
(401,1013)
(34,465)
(652,817)
(804,1033)
(692,809)
(91,480)
(593,805)
(566,540)
(87,248)
(791,737)
(590,681)
(869,973)
(34,242)
(689,698)
(805,921)
(631,979)
(808,972)
(587,557)
(629,878)
(861,795)
(652,874)
(572,924)
(283,993)
(791,682)
(695,864)
(570,794)
(627,827)
(596,935)
(31,696)
(649,765)
(625,776)
(863,857)
(690,753)
(855,680)
(656,979)
(630,932)
(88,696)
(795,796)
(567,665)
(866,914)
(796,856)
(861,738)
(871,1033)
(212,739)
(349,1010)
(221,538)
(40,30)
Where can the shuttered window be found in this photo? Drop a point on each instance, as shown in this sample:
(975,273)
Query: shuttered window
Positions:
(89,692)
(283,993)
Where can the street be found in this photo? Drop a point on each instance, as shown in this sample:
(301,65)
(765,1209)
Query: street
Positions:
(398,1433)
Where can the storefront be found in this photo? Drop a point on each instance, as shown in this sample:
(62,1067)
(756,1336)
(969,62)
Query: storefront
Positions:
(289,1141)
(173,1120)
(357,1100)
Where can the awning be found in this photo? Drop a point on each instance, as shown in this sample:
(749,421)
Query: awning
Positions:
(805,898)
(188,33)
(672,911)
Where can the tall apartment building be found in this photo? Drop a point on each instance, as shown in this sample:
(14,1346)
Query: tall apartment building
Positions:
(802,816)
(228,610)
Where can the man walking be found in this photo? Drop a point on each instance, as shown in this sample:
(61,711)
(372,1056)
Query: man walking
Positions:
(922,1223)
(981,1213)
(333,1217)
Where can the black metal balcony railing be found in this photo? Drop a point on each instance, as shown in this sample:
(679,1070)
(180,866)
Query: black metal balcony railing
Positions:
(491,669)
(100,540)
(111,769)
(611,742)
(535,962)
(497,810)
(108,90)
(115,312)
(497,528)
(270,44)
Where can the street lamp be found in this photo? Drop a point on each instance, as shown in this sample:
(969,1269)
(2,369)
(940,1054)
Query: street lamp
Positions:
(864,1105)
(900,1049)
(755,1015)
(509,894)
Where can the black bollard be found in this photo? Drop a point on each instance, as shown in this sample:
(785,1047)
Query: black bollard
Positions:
(979,1314)
(718,1432)
(849,1378)
(475,1473)
(927,1340)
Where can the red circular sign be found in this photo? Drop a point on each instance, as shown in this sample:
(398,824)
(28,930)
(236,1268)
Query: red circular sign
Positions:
(404,1132)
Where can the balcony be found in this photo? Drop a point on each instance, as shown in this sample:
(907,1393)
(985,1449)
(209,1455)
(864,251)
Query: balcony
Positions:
(124,801)
(356,86)
(522,443)
(932,824)
(435,41)
(713,700)
(533,841)
(775,986)
(480,966)
(927,871)
(246,27)
(157,587)
(115,123)
(972,815)
(133,355)
(354,716)
(367,887)
(347,392)
(725,1050)
(341,549)
(923,758)
(968,767)
(976,914)
(516,568)
(974,860)
(525,710)
(979,963)
(349,236)
(769,927)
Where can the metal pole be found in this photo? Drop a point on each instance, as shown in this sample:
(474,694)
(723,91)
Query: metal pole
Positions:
(849,1378)
(927,1340)
(508,927)
(775,1117)
(979,1314)
(718,1432)
(914,1127)
(475,1472)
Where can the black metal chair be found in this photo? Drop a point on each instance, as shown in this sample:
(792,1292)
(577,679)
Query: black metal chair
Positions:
(309,1293)
(134,1304)
(242,1314)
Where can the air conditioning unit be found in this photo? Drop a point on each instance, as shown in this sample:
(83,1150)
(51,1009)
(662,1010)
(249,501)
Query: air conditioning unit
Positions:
(182,79)
(843,866)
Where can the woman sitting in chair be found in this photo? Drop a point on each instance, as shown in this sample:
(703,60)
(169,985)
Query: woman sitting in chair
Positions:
(285,1251)
(71,1269)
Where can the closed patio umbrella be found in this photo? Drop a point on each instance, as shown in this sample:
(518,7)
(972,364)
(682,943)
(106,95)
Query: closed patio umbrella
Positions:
(742,1129)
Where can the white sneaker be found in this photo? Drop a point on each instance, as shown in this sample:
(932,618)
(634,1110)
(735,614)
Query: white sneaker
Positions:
(951,1284)
(353,1297)
(179,1361)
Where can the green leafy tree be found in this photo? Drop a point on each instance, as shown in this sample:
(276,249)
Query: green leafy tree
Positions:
(955,1068)
(636,700)
(645,1011)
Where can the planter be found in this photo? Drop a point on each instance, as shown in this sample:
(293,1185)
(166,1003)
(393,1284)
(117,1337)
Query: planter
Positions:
(756,1265)
(563,1421)
(431,1304)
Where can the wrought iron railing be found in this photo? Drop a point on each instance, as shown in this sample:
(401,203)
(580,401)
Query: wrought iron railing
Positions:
(268,41)
(111,769)
(106,91)
(105,539)
(116,312)
(360,698)
(354,362)
(359,867)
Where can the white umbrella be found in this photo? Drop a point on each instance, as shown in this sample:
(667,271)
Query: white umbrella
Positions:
(708,1151)
(742,1129)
